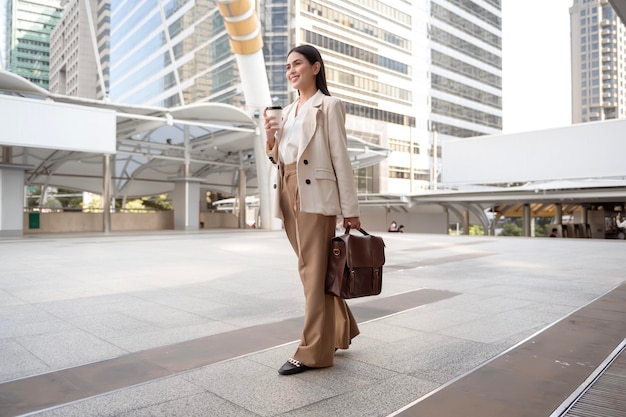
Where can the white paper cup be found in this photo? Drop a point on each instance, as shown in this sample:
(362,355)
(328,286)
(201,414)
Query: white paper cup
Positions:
(275,111)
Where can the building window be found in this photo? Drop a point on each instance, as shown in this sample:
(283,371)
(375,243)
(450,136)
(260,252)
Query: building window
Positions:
(398,145)
(399,172)
(421,175)
(365,179)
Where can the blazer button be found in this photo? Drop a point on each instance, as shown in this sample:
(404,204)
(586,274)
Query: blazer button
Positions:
(306,162)
(308,181)
(275,186)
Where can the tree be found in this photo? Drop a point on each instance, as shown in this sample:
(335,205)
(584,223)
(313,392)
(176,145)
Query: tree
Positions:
(72,199)
(477,230)
(511,229)
(157,202)
(53,203)
(542,226)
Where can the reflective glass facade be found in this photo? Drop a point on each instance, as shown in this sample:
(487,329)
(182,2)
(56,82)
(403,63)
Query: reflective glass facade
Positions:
(30,24)
(275,16)
(170,53)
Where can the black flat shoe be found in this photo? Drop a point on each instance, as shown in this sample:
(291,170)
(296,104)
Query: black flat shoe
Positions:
(293,366)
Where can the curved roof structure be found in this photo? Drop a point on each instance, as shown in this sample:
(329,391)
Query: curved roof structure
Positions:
(153,148)
(14,84)
(210,142)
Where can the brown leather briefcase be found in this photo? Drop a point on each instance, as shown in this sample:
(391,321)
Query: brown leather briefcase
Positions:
(355,265)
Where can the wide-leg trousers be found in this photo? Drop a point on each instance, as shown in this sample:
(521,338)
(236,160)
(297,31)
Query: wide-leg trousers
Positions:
(328,321)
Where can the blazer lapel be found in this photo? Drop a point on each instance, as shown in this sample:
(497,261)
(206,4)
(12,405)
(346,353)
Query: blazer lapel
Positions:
(309,124)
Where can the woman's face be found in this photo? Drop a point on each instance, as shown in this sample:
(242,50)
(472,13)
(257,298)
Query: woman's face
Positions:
(300,72)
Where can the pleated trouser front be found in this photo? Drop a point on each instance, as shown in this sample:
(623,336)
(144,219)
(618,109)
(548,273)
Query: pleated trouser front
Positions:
(328,321)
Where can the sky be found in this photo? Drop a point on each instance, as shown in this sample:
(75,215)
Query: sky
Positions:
(536,64)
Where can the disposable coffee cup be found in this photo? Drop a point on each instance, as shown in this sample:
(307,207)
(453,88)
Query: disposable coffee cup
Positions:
(276,111)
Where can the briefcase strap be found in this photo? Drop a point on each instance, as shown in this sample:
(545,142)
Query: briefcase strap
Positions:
(359,229)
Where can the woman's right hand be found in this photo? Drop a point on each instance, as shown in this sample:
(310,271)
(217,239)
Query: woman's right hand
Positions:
(271,127)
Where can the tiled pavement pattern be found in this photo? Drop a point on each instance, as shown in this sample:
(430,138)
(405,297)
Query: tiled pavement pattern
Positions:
(197,323)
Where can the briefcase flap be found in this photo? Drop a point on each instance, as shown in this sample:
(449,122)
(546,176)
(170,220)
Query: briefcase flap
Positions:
(364,251)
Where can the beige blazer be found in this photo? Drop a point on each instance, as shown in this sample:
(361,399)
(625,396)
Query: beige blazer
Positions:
(325,175)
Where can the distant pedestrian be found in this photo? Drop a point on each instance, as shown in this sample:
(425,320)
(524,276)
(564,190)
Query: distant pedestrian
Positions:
(555,232)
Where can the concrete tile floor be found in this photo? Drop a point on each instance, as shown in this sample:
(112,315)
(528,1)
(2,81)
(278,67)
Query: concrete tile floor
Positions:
(72,300)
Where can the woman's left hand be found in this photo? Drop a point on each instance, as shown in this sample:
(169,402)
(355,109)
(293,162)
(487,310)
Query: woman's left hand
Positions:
(354,222)
(271,127)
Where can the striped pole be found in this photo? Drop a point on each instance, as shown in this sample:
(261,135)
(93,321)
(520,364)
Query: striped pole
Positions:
(244,30)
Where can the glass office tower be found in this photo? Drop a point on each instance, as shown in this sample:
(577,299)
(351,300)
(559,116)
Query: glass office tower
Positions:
(29,25)
(170,53)
(598,55)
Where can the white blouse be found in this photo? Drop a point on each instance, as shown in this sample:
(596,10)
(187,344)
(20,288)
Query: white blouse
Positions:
(292,130)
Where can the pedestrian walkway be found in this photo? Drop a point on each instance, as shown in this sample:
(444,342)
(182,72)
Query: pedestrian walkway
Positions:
(197,324)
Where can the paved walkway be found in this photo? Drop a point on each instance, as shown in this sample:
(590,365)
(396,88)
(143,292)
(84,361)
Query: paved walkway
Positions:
(197,323)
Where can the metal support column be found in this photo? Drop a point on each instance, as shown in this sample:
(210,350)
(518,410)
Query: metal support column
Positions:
(558,216)
(106,193)
(187,152)
(434,174)
(466,222)
(242,198)
(186,195)
(527,220)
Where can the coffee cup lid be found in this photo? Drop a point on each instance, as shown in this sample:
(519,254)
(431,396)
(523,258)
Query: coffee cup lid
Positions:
(274,108)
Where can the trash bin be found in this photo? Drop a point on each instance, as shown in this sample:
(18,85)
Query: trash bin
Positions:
(33,220)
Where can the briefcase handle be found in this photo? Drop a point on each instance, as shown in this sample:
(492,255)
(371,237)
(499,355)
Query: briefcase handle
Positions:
(359,229)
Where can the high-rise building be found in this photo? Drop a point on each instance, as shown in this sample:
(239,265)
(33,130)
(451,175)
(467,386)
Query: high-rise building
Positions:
(369,51)
(465,67)
(170,53)
(598,54)
(30,24)
(75,67)
(410,72)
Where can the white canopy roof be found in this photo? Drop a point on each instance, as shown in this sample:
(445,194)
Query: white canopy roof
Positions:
(153,145)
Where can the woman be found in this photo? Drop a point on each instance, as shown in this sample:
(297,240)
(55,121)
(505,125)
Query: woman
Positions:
(315,183)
